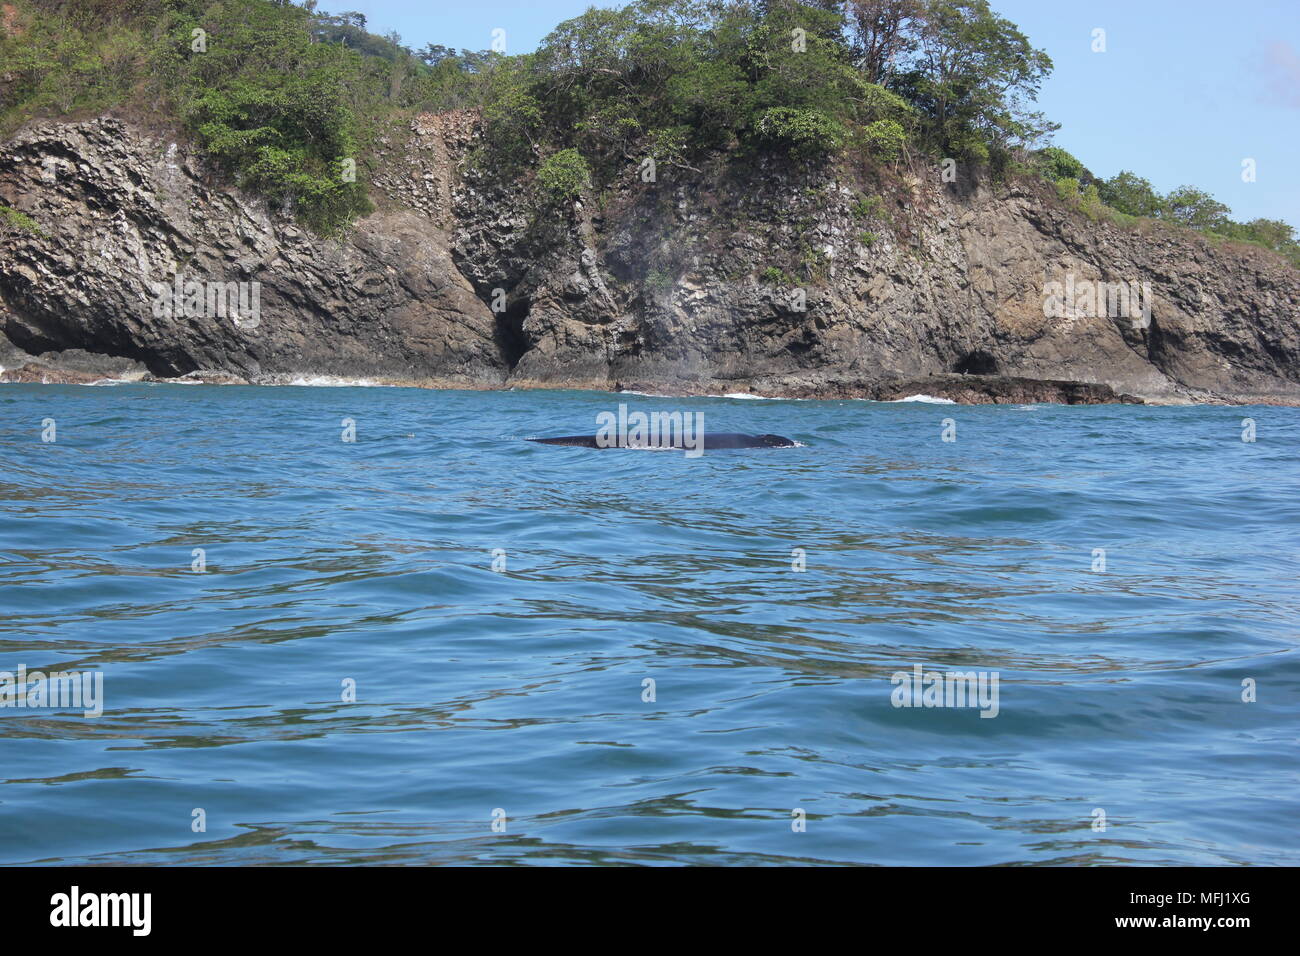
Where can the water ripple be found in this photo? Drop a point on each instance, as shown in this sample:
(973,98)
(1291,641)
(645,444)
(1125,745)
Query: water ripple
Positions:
(331,565)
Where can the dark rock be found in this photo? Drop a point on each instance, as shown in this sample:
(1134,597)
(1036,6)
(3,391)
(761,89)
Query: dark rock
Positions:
(70,367)
(37,373)
(1002,389)
(384,301)
(763,278)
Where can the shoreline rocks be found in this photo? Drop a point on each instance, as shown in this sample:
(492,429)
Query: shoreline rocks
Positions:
(770,278)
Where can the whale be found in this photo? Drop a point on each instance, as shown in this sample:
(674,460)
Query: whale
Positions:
(712,441)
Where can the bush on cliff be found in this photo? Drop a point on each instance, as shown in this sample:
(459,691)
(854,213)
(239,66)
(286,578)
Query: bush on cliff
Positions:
(563,176)
(272,106)
(1127,197)
(247,78)
(290,99)
(804,132)
(13,219)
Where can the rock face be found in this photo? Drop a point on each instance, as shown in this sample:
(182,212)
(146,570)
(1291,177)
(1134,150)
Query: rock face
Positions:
(758,276)
(125,214)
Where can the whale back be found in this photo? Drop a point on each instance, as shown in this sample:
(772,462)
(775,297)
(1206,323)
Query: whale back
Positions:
(712,441)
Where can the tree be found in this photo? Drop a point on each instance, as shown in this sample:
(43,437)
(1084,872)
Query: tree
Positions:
(972,74)
(805,90)
(1195,208)
(1269,233)
(674,77)
(514,115)
(1273,233)
(883,32)
(1129,193)
(885,138)
(435,53)
(273,108)
(1058,164)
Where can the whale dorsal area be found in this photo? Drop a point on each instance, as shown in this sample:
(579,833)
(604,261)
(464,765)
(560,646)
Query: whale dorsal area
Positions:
(712,441)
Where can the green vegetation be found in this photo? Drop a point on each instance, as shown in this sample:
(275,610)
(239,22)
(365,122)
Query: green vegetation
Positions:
(291,100)
(1126,198)
(271,109)
(868,207)
(659,282)
(249,78)
(564,175)
(14,219)
(774,276)
(1057,165)
(283,96)
(813,262)
(1067,187)
(1131,194)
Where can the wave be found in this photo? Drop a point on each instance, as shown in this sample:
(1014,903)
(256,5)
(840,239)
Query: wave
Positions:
(327,381)
(926,399)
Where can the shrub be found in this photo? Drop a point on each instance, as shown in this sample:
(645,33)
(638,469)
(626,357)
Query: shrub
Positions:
(868,207)
(14,219)
(1056,164)
(564,175)
(1090,202)
(805,132)
(1068,189)
(885,138)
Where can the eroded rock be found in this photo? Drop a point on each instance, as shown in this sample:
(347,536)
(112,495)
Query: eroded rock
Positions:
(773,277)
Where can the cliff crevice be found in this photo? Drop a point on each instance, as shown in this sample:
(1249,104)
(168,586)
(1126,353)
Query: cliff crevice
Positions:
(760,275)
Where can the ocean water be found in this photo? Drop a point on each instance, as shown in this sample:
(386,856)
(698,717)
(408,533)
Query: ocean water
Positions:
(519,696)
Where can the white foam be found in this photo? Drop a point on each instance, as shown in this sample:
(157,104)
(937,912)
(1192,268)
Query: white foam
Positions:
(329,381)
(97,383)
(748,395)
(927,399)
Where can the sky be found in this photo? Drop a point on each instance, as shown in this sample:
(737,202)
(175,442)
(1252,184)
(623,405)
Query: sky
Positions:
(1184,92)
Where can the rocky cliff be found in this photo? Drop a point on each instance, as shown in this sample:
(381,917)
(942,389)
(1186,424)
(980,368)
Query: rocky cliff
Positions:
(757,275)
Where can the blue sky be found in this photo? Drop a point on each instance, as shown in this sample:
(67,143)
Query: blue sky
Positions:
(1185,91)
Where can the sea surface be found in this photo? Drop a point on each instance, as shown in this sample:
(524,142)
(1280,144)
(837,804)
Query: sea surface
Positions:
(341,676)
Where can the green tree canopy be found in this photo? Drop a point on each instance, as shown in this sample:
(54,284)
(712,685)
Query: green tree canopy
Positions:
(283,94)
(1195,208)
(1132,195)
(972,74)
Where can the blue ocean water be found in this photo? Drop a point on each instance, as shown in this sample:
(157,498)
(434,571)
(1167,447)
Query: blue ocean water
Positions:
(519,696)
